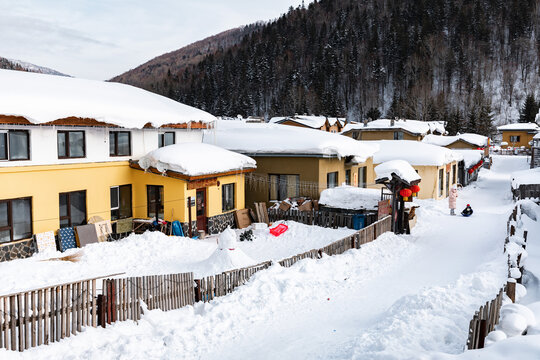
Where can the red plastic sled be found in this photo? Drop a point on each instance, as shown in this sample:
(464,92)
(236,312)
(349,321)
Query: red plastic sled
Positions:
(278,230)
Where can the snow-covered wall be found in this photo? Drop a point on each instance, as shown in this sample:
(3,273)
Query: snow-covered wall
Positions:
(44,148)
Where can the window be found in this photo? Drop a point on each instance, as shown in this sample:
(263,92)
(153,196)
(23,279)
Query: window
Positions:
(441,174)
(72,208)
(119,143)
(355,135)
(154,202)
(398,135)
(227,197)
(348,177)
(284,186)
(362,177)
(454,174)
(15,219)
(514,138)
(71,144)
(14,145)
(332,180)
(165,139)
(121,202)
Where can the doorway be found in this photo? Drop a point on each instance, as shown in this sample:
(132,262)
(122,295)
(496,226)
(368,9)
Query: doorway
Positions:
(201,209)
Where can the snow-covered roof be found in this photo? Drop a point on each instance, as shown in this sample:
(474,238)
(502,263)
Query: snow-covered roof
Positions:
(350,197)
(412,126)
(315,122)
(194,159)
(400,168)
(537,136)
(471,157)
(415,153)
(275,139)
(519,126)
(525,177)
(44,98)
(473,139)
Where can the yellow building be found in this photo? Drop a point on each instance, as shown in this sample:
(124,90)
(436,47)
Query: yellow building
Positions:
(71,153)
(388,129)
(328,124)
(437,166)
(519,134)
(293,161)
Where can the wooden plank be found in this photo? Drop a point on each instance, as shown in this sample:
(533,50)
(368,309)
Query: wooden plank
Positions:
(2,322)
(57,316)
(94,305)
(79,309)
(13,322)
(28,323)
(74,309)
(62,312)
(22,323)
(47,319)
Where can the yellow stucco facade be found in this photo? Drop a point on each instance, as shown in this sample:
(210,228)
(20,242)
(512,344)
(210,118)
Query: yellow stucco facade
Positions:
(380,135)
(44,183)
(524,138)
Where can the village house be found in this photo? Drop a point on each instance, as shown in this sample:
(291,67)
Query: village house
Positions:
(460,141)
(328,124)
(292,161)
(390,129)
(67,152)
(437,166)
(518,134)
(535,151)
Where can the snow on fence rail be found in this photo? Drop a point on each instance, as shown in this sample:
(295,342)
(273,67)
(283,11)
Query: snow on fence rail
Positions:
(45,315)
(222,284)
(41,316)
(314,217)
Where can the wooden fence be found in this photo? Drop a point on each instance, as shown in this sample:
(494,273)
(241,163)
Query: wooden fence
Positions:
(484,321)
(121,298)
(46,315)
(327,219)
(222,284)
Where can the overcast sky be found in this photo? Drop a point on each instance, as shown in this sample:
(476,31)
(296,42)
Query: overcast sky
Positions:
(99,39)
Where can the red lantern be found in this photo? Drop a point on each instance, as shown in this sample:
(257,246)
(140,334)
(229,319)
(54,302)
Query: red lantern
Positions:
(470,171)
(415,189)
(405,193)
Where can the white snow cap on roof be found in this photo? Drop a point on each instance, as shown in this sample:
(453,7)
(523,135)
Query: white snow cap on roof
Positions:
(414,152)
(282,139)
(525,177)
(195,159)
(400,168)
(519,126)
(474,139)
(537,136)
(412,126)
(312,121)
(350,197)
(471,157)
(42,98)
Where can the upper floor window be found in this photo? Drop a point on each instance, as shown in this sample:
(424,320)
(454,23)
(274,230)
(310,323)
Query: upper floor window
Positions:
(14,145)
(119,143)
(71,144)
(165,139)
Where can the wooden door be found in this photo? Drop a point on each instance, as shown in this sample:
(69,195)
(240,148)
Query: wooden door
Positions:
(201,209)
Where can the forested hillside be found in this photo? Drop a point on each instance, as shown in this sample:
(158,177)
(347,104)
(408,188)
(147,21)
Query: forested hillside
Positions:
(464,61)
(24,66)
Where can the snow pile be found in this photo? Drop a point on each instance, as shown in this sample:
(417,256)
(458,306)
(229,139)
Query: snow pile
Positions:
(196,159)
(400,168)
(350,197)
(415,153)
(515,318)
(59,97)
(470,157)
(275,139)
(412,126)
(473,139)
(315,122)
(519,126)
(525,177)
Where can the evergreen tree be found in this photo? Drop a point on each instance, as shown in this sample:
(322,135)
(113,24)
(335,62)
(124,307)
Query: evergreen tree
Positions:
(373,114)
(529,110)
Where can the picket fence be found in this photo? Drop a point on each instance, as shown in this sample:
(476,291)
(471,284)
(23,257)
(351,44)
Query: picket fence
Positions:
(484,321)
(327,219)
(42,316)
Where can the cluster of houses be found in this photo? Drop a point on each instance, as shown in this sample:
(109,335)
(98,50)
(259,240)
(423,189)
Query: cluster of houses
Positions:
(73,149)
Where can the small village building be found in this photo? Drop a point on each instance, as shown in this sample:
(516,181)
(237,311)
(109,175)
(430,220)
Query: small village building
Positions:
(518,134)
(324,123)
(535,151)
(65,151)
(292,161)
(437,166)
(460,141)
(390,129)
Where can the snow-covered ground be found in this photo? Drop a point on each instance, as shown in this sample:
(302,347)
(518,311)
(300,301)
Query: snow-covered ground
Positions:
(400,297)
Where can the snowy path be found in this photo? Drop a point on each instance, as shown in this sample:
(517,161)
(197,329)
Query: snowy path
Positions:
(396,298)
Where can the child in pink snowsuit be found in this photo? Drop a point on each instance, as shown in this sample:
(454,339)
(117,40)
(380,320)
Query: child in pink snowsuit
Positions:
(452,199)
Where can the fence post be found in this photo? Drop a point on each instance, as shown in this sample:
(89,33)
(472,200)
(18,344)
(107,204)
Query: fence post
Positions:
(482,333)
(511,289)
(101,305)
(198,296)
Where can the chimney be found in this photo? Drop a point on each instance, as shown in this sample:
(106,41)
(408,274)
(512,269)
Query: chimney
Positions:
(392,122)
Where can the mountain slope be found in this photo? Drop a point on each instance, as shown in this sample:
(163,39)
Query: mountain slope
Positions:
(11,64)
(463,61)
